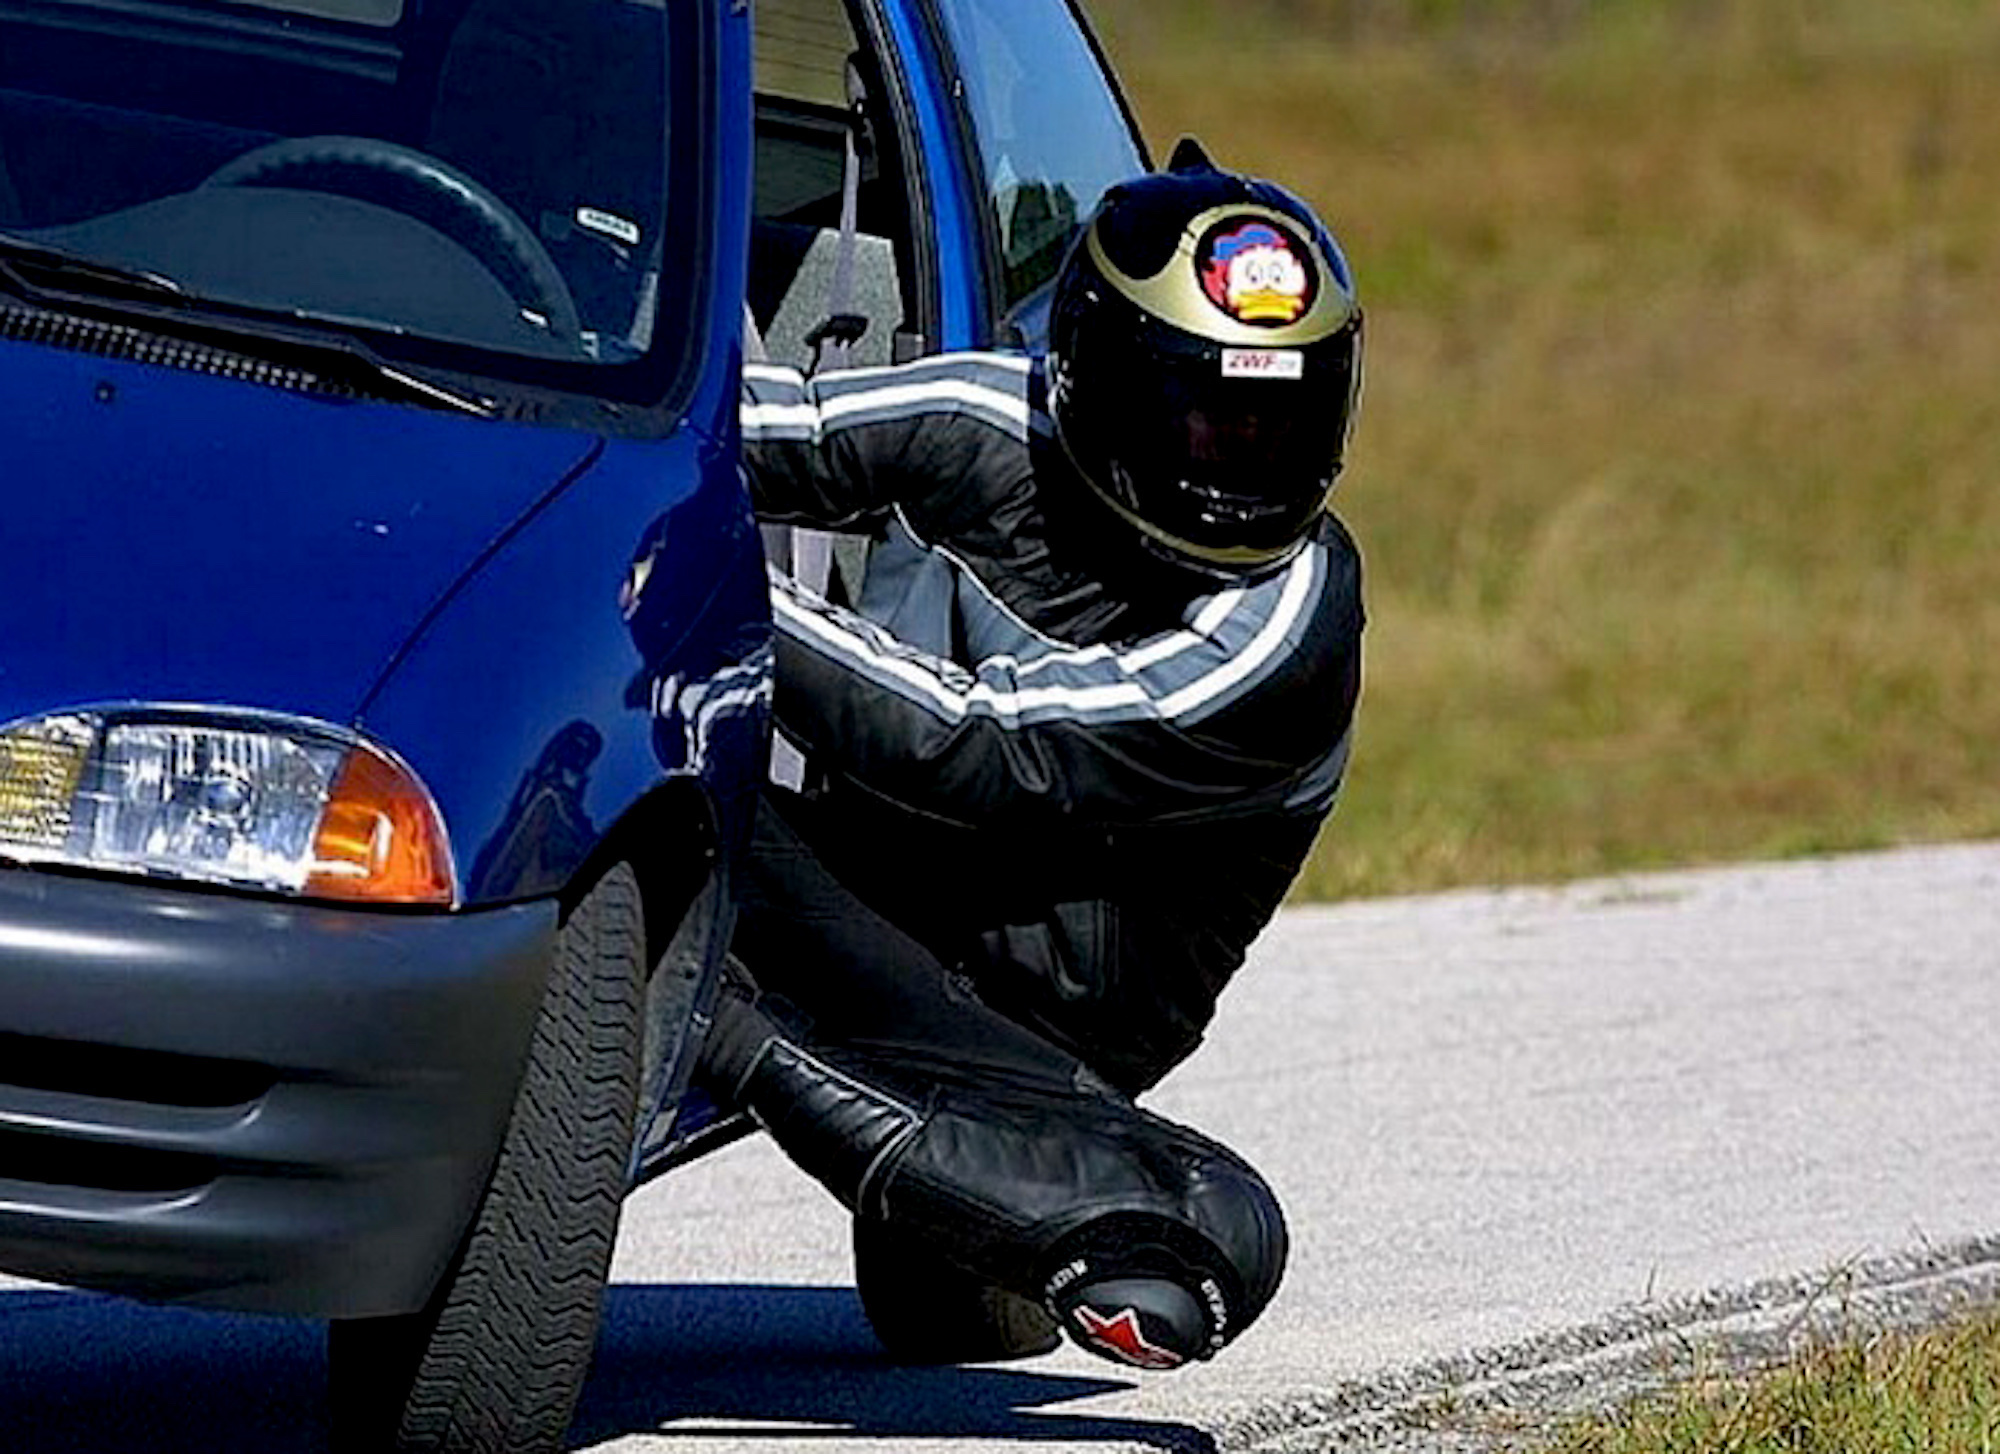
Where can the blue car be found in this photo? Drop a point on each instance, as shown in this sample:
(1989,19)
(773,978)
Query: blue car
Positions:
(384,647)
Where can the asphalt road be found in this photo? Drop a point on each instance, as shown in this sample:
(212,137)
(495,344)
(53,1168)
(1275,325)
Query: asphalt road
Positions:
(1535,1145)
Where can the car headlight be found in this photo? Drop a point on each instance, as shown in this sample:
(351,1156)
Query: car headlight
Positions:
(221,797)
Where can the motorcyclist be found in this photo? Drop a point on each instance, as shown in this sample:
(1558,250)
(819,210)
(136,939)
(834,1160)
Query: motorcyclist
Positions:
(1067,751)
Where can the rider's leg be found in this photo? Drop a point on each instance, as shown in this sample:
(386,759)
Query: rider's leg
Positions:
(852,978)
(923,1110)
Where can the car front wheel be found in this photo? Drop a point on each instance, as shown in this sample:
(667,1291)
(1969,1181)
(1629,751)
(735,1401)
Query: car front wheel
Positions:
(496,1360)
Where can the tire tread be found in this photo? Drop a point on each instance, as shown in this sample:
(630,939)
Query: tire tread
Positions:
(496,1363)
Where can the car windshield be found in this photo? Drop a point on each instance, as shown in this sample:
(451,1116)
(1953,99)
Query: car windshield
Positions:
(479,185)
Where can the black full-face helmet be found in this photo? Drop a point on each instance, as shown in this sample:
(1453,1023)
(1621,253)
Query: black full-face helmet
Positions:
(1205,362)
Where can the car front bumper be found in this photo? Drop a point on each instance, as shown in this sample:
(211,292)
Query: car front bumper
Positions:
(250,1104)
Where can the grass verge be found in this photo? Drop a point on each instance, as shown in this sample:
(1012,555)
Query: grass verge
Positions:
(1675,475)
(1931,1393)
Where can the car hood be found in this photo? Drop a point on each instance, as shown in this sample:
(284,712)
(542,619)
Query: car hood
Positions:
(166,536)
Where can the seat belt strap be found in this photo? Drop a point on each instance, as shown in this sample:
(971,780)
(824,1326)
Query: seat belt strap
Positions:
(812,553)
(833,340)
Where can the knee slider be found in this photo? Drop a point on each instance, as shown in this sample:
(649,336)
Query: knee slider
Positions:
(1157,1290)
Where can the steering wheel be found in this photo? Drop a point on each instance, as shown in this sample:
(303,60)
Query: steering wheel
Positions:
(421,186)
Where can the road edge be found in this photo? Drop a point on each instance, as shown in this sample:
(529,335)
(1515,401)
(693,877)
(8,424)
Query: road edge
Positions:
(1473,1402)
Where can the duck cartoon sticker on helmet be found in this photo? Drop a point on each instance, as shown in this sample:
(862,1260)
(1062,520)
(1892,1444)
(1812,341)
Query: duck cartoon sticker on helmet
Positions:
(1256,272)
(1205,363)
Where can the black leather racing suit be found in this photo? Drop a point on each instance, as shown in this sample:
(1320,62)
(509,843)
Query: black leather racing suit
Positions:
(1066,788)
(1087,799)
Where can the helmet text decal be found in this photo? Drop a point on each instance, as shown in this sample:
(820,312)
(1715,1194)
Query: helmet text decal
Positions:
(1263,363)
(1256,272)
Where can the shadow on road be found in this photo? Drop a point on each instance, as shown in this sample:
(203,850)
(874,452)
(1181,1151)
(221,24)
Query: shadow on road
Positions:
(82,1374)
(793,1363)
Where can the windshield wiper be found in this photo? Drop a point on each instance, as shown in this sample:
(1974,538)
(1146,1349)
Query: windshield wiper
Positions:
(409,386)
(52,277)
(70,270)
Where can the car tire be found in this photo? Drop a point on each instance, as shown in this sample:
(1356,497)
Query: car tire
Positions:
(926,1309)
(495,1362)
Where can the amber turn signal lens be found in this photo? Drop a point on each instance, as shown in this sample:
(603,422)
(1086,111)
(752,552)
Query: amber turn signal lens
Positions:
(380,839)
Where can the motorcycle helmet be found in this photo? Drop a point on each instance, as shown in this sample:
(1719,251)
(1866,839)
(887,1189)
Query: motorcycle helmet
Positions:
(1204,364)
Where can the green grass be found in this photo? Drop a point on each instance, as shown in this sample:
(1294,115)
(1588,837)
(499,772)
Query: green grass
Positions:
(1677,470)
(1938,1393)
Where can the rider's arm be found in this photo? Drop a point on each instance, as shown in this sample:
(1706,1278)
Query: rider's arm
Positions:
(1252,695)
(839,450)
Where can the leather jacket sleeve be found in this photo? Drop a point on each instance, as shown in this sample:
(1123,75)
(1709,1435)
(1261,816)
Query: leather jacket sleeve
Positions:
(840,450)
(1244,707)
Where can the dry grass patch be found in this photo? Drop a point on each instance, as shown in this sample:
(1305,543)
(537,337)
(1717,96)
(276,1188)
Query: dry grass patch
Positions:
(1937,1393)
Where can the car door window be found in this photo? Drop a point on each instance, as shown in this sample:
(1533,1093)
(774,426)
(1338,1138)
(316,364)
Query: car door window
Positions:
(1052,132)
